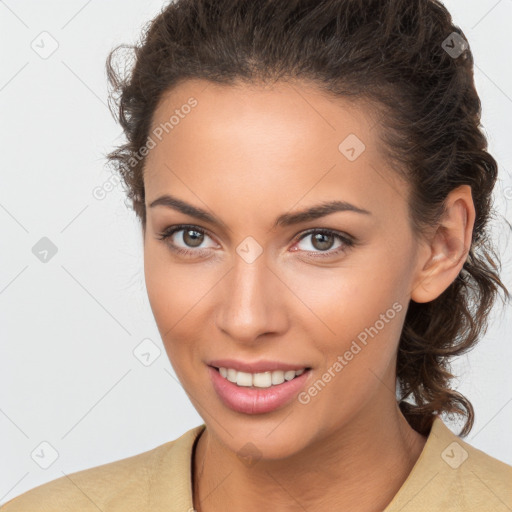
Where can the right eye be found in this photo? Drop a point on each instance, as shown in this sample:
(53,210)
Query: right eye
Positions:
(192,237)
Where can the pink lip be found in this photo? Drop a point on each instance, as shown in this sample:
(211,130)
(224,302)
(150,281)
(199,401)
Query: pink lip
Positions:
(255,367)
(251,400)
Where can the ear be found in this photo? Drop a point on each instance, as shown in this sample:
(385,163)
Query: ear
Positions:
(447,249)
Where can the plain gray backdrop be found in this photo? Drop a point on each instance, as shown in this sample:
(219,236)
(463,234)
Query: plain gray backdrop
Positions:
(74,394)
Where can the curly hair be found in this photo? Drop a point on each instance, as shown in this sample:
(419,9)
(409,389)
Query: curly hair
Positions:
(391,53)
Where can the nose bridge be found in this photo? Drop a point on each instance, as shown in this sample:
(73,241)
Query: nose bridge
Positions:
(249,304)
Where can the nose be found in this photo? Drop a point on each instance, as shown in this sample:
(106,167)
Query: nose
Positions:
(252,301)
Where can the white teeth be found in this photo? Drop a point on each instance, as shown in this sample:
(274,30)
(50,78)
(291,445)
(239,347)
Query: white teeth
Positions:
(243,379)
(289,375)
(262,380)
(278,377)
(259,380)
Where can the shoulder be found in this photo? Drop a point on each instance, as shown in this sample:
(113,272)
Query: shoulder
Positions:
(481,474)
(462,458)
(454,476)
(127,484)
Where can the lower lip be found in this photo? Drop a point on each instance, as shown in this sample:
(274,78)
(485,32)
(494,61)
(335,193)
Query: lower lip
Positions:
(249,400)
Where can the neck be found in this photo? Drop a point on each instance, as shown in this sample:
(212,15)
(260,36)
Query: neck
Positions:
(358,467)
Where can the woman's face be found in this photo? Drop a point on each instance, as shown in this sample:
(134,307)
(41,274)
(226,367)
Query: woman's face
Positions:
(327,292)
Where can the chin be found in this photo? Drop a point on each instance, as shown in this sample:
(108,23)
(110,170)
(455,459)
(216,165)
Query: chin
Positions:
(263,440)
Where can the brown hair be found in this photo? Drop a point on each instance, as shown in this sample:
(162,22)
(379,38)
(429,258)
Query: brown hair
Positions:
(393,53)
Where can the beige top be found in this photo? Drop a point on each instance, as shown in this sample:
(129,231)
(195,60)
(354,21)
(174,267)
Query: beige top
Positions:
(450,475)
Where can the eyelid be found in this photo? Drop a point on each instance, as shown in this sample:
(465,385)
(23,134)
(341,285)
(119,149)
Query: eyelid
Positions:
(176,228)
(343,236)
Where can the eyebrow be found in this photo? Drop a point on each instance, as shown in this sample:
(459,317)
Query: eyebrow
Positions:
(286,219)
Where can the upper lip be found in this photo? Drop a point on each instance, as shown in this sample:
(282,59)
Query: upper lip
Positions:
(256,366)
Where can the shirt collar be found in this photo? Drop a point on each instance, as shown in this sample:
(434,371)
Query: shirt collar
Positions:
(178,497)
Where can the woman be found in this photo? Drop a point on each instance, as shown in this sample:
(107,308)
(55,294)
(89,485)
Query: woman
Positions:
(313,188)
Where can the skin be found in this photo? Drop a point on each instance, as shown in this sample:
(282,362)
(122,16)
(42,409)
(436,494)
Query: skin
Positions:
(248,154)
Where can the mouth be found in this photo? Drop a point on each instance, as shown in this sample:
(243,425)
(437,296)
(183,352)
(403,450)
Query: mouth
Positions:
(260,380)
(260,392)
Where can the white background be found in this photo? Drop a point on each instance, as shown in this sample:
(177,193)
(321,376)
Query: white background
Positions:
(68,327)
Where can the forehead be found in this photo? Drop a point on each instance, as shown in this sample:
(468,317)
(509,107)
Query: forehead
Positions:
(285,119)
(286,142)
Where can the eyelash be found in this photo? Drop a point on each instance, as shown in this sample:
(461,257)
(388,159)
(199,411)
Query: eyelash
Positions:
(348,242)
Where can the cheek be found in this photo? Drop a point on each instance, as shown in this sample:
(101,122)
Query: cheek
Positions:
(342,301)
(356,310)
(176,293)
(159,285)
(358,338)
(173,289)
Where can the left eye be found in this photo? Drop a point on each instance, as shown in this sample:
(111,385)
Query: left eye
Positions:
(322,240)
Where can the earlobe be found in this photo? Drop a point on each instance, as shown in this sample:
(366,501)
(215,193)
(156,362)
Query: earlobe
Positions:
(448,248)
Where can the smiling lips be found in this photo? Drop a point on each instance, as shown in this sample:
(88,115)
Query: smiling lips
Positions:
(256,388)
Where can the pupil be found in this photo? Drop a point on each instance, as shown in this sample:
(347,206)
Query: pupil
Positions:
(321,239)
(193,241)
